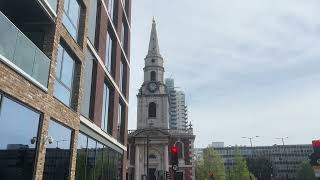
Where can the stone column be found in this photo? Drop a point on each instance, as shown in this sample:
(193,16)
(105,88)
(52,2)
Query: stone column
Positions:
(166,158)
(136,163)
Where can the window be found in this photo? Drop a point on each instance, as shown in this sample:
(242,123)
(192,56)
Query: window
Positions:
(98,161)
(110,8)
(152,156)
(153,76)
(91,159)
(152,110)
(64,77)
(57,161)
(121,121)
(92,20)
(19,139)
(88,89)
(106,123)
(106,172)
(109,54)
(71,17)
(53,4)
(123,77)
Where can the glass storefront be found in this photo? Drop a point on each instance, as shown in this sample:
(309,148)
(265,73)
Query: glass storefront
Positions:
(95,160)
(19,139)
(57,162)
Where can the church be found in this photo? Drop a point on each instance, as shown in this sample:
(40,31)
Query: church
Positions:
(149,146)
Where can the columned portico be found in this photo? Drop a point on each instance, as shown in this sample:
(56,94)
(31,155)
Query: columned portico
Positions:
(166,158)
(136,160)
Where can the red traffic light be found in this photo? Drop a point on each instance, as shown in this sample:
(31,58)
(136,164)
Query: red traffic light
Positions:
(316,143)
(174,150)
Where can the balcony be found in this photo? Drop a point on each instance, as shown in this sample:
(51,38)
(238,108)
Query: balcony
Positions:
(19,52)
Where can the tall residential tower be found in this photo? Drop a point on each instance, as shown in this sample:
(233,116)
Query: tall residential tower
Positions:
(178,109)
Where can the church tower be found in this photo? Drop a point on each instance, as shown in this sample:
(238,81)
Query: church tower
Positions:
(149,145)
(153,104)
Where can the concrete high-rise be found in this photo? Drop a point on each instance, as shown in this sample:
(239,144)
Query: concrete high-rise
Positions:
(64,72)
(172,103)
(178,113)
(182,112)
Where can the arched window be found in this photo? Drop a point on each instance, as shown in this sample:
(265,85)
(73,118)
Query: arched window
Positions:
(152,110)
(152,156)
(153,76)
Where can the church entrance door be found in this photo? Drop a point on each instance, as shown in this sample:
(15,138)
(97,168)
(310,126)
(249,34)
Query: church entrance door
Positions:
(178,176)
(152,174)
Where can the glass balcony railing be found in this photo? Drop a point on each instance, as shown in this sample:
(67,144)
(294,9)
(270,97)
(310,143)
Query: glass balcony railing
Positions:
(20,51)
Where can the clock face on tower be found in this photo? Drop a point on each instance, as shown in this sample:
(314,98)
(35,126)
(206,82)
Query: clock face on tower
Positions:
(152,86)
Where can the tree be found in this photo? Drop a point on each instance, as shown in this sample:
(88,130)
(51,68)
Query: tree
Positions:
(211,166)
(305,171)
(261,167)
(240,170)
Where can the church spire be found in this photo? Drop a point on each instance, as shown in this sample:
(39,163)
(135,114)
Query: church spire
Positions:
(153,44)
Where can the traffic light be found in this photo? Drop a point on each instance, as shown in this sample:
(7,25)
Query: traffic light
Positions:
(316,146)
(174,158)
(315,156)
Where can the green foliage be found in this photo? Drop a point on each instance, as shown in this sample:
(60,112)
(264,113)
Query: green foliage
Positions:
(240,170)
(305,171)
(212,164)
(261,167)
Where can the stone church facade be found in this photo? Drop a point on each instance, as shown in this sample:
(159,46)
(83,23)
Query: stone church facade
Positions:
(149,146)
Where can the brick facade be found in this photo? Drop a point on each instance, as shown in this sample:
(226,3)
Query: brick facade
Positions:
(24,90)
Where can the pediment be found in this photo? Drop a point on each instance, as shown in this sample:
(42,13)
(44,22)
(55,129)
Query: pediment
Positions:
(151,132)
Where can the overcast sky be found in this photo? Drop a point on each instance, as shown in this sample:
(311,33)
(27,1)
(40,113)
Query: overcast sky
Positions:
(249,67)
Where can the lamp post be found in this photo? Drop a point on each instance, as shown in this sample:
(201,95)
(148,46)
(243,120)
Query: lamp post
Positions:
(57,141)
(251,148)
(250,138)
(285,153)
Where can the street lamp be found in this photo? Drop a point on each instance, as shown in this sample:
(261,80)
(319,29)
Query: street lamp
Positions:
(250,138)
(57,141)
(285,153)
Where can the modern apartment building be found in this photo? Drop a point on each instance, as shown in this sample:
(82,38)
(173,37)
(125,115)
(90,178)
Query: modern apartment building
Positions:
(64,71)
(182,112)
(285,160)
(172,103)
(178,118)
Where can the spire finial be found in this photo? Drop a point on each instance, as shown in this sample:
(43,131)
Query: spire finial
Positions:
(153,44)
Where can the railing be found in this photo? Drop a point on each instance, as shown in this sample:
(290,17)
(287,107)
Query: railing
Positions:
(19,52)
